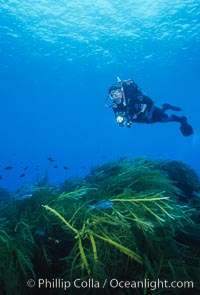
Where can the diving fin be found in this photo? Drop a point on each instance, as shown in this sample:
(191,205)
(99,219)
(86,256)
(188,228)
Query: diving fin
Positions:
(186,128)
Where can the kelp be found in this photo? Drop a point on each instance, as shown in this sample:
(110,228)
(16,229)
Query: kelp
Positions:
(124,220)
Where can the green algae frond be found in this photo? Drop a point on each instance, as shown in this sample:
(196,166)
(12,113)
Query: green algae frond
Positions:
(150,230)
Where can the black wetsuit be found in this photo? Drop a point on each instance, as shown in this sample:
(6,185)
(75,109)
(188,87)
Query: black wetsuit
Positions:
(131,109)
(134,101)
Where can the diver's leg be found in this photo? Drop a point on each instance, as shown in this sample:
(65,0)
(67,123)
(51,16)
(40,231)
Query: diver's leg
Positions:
(167,106)
(165,118)
(174,118)
(162,117)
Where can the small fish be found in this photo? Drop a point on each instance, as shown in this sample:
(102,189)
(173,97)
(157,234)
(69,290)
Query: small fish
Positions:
(37,167)
(50,159)
(196,194)
(55,166)
(22,175)
(102,205)
(40,233)
(65,167)
(8,168)
(23,196)
(25,168)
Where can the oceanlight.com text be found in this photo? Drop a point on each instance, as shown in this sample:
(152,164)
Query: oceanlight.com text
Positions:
(151,285)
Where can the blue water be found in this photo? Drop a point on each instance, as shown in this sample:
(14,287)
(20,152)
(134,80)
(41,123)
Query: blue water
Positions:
(57,60)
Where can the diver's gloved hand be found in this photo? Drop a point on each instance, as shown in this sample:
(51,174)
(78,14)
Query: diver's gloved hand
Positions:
(135,116)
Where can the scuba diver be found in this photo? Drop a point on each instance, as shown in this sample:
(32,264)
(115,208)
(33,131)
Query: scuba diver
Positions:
(131,105)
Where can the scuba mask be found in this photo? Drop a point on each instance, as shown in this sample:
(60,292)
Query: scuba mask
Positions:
(116,96)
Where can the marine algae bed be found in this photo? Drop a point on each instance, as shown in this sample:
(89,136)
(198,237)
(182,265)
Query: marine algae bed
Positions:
(130,220)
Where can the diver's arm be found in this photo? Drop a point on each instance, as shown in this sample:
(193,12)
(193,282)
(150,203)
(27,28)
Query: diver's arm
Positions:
(145,105)
(143,109)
